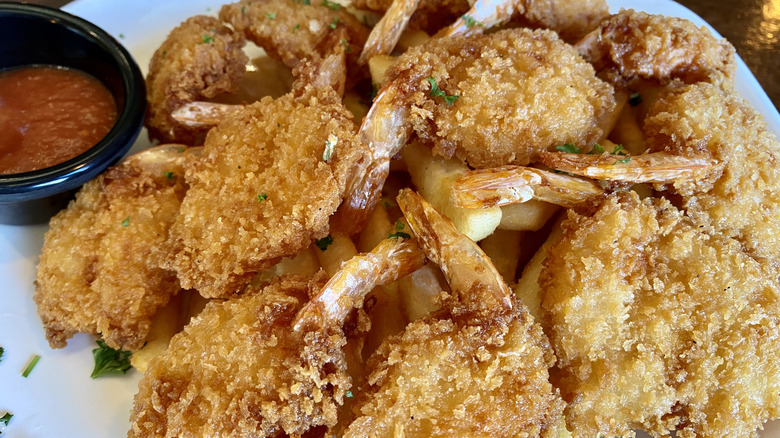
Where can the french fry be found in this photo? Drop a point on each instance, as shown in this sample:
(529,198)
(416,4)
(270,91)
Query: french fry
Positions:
(527,288)
(434,177)
(411,38)
(377,229)
(341,250)
(304,264)
(628,133)
(378,66)
(503,248)
(166,322)
(528,216)
(356,105)
(418,289)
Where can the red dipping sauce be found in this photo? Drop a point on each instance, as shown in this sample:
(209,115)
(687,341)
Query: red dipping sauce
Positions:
(49,115)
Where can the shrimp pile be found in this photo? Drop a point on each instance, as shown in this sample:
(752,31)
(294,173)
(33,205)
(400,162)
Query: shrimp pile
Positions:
(548,221)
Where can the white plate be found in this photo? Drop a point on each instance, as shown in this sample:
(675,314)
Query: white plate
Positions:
(59,399)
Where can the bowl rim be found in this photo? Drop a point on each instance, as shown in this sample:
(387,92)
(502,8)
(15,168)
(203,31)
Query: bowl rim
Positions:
(37,184)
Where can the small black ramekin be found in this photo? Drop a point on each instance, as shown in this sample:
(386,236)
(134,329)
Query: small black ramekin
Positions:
(37,35)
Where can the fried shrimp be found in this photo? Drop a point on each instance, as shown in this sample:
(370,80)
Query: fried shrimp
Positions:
(98,271)
(294,33)
(637,44)
(478,367)
(239,370)
(270,177)
(490,100)
(660,323)
(200,59)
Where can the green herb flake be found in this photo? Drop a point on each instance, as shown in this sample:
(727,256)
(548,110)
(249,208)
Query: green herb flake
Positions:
(270,15)
(243,11)
(330,147)
(30,365)
(122,36)
(126,222)
(374,90)
(324,243)
(597,150)
(6,418)
(398,233)
(635,99)
(296,27)
(2,351)
(109,361)
(207,38)
(569,148)
(302,2)
(262,197)
(619,150)
(399,225)
(332,5)
(470,21)
(278,125)
(349,394)
(344,43)
(437,92)
(624,160)
(169,175)
(334,23)
(164,53)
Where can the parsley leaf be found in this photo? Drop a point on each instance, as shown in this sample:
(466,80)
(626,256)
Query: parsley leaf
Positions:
(470,21)
(332,5)
(569,148)
(126,222)
(619,150)
(398,233)
(330,147)
(109,361)
(270,15)
(2,351)
(207,38)
(349,394)
(33,361)
(437,92)
(374,90)
(6,418)
(334,23)
(296,27)
(624,160)
(243,11)
(324,243)
(168,175)
(597,150)
(262,197)
(344,43)
(635,99)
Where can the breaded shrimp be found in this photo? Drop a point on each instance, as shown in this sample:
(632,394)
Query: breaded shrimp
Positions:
(660,323)
(270,177)
(296,33)
(239,370)
(200,59)
(477,368)
(98,272)
(429,15)
(491,99)
(637,44)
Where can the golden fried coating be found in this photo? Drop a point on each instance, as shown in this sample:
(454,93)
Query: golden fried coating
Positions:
(443,377)
(744,200)
(263,189)
(98,272)
(200,59)
(655,46)
(294,33)
(518,92)
(571,19)
(660,323)
(238,369)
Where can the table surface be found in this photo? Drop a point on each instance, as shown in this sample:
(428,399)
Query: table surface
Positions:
(752,26)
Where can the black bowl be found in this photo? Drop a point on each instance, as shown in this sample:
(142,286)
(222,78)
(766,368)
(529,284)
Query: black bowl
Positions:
(37,35)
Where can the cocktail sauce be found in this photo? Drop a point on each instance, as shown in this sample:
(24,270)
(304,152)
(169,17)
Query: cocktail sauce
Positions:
(49,115)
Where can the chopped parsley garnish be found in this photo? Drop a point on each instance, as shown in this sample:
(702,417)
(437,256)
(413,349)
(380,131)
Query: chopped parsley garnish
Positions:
(330,147)
(398,233)
(30,365)
(109,361)
(635,99)
(344,43)
(2,351)
(126,222)
(168,175)
(207,38)
(302,2)
(270,15)
(349,394)
(296,27)
(243,10)
(334,23)
(6,418)
(373,92)
(122,36)
(164,53)
(470,21)
(624,160)
(332,5)
(324,243)
(597,150)
(619,150)
(569,148)
(262,197)
(437,92)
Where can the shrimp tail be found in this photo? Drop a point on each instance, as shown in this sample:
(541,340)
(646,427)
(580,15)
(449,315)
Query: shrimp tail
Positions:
(387,32)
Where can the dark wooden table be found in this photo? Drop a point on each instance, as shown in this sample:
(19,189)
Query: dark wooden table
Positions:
(752,26)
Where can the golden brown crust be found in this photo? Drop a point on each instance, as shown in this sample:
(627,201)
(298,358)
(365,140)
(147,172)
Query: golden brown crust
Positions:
(742,200)
(571,19)
(520,92)
(238,369)
(445,377)
(200,59)
(262,189)
(98,272)
(660,323)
